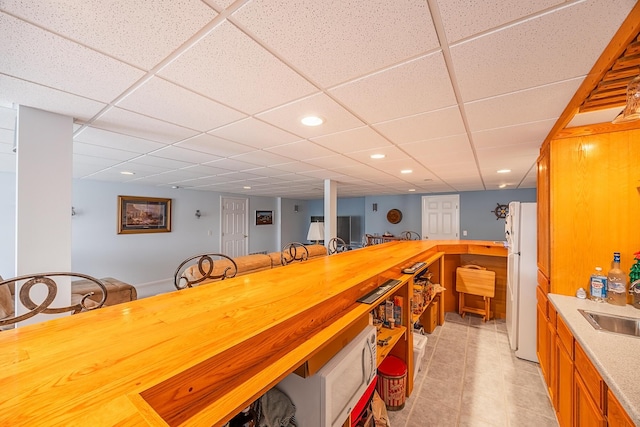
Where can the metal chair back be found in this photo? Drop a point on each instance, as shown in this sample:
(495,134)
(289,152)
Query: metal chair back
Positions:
(336,245)
(294,251)
(28,281)
(204,268)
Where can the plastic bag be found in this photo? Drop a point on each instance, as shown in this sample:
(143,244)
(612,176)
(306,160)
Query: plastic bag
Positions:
(380,415)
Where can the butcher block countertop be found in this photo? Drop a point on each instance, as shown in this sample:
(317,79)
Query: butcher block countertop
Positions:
(196,356)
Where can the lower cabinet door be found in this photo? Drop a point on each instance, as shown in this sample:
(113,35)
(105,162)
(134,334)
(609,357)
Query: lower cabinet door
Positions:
(616,415)
(564,393)
(587,413)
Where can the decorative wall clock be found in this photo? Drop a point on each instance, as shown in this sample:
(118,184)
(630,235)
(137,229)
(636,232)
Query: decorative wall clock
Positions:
(501,211)
(394,216)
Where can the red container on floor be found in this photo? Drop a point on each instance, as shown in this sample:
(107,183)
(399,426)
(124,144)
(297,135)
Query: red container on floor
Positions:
(392,382)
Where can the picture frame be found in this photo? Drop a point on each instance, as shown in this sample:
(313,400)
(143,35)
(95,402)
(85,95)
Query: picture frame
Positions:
(264,217)
(143,215)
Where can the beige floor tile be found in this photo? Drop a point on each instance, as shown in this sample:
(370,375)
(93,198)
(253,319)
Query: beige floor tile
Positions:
(470,377)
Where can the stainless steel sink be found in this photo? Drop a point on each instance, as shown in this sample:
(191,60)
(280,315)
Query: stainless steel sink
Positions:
(612,323)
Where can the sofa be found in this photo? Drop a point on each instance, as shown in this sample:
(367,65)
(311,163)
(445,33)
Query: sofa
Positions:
(247,264)
(117,292)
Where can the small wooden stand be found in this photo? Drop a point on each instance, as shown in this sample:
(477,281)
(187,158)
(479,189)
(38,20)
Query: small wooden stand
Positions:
(475,280)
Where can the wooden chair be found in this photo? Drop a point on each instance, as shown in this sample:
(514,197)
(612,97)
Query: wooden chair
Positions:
(336,245)
(475,280)
(410,235)
(204,268)
(48,280)
(294,251)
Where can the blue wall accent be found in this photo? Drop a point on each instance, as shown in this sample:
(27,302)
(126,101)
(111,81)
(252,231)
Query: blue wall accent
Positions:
(476,211)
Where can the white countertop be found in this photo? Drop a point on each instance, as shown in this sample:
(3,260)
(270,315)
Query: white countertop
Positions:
(615,356)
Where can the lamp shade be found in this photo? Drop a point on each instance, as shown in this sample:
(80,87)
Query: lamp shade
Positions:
(316,231)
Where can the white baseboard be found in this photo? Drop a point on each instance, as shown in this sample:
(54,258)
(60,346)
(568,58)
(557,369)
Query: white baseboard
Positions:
(154,288)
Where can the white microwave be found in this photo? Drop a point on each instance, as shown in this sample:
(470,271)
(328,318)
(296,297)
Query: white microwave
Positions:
(327,398)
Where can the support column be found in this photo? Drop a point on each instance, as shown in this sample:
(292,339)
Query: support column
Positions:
(44,173)
(330,210)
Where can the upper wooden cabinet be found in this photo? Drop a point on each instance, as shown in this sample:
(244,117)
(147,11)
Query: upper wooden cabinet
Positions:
(543,192)
(588,200)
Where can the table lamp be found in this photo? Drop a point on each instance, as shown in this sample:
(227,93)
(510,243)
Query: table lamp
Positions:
(316,232)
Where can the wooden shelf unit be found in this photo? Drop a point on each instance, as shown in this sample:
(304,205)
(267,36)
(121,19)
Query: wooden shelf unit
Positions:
(435,265)
(394,336)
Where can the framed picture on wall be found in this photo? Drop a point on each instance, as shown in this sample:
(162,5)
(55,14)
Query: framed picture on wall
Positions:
(143,215)
(264,217)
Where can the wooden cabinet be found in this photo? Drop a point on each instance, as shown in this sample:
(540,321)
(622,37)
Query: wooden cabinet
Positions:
(586,411)
(543,350)
(616,415)
(543,193)
(564,374)
(583,171)
(579,395)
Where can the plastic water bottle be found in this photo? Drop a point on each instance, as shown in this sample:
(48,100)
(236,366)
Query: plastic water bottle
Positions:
(598,286)
(616,283)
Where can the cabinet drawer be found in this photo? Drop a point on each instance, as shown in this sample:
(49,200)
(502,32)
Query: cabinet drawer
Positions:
(565,336)
(543,282)
(590,376)
(543,301)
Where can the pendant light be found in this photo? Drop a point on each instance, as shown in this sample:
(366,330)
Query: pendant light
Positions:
(632,110)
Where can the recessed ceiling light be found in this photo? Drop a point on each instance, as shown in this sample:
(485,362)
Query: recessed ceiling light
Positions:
(504,171)
(127,173)
(406,171)
(412,189)
(246,187)
(502,185)
(312,121)
(378,156)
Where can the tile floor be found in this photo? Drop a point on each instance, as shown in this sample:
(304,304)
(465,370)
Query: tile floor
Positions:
(470,377)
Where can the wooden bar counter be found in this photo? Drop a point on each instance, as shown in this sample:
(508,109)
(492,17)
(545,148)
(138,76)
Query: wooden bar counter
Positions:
(197,356)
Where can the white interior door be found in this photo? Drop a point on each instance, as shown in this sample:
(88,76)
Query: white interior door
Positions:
(234,238)
(441,217)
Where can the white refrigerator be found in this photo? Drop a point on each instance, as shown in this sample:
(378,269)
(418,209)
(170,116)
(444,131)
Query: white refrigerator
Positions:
(522,269)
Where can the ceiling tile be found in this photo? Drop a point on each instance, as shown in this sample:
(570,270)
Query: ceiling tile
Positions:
(254,133)
(165,101)
(512,135)
(34,95)
(436,124)
(336,118)
(50,60)
(102,152)
(417,86)
(530,105)
(301,150)
(555,46)
(130,123)
(440,150)
(128,23)
(185,155)
(213,145)
(463,18)
(116,140)
(262,158)
(223,65)
(599,116)
(353,140)
(332,41)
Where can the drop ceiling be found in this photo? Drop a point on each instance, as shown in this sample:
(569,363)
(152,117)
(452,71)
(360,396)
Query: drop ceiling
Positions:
(208,95)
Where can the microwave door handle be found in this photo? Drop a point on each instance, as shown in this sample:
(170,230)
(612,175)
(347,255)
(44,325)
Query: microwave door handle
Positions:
(368,375)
